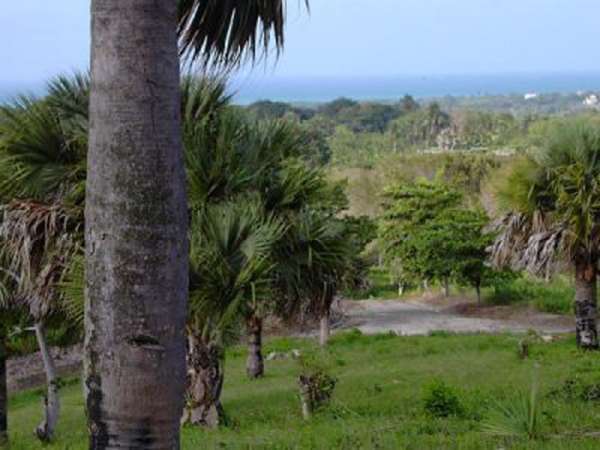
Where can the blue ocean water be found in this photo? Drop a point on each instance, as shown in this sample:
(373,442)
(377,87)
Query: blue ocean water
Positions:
(258,86)
(252,88)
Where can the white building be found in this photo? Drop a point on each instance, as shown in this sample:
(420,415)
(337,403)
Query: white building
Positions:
(530,96)
(591,100)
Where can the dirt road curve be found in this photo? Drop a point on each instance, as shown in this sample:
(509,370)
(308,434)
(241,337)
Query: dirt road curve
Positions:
(420,318)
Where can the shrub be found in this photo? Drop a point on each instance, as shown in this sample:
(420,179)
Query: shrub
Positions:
(441,400)
(516,418)
(315,383)
(576,388)
(554,297)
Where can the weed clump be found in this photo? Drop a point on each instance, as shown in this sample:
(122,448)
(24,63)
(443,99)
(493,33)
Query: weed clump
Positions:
(442,400)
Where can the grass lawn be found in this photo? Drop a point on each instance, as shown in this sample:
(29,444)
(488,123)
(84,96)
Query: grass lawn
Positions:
(379,400)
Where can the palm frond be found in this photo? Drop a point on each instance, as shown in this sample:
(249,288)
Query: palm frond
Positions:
(37,241)
(554,194)
(42,156)
(231,246)
(223,32)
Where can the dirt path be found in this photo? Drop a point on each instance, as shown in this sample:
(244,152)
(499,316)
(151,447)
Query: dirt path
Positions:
(418,317)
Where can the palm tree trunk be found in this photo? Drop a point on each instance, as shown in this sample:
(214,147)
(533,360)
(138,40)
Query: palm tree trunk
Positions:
(205,383)
(45,430)
(3,394)
(324,329)
(585,305)
(136,229)
(255,366)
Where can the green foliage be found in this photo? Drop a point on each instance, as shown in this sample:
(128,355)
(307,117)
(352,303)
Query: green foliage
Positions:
(557,188)
(420,128)
(316,383)
(518,417)
(230,261)
(427,234)
(467,172)
(351,149)
(552,297)
(441,400)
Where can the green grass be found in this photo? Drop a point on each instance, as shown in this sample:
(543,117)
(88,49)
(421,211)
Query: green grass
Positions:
(380,401)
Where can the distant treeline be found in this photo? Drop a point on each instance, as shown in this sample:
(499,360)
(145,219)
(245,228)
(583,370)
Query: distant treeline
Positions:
(350,133)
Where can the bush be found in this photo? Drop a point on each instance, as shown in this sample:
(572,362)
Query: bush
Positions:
(518,417)
(441,400)
(555,297)
(315,383)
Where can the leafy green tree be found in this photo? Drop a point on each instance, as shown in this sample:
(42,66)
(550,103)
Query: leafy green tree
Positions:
(428,233)
(553,195)
(409,209)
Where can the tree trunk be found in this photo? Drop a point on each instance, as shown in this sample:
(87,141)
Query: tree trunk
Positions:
(255,366)
(45,430)
(478,290)
(3,394)
(205,383)
(585,305)
(324,329)
(136,229)
(446,287)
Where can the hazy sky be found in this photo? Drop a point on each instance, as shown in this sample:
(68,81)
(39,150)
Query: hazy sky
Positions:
(350,37)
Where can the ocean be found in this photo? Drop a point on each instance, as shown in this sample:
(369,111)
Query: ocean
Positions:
(257,86)
(317,90)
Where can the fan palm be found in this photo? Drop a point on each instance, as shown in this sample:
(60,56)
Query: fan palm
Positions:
(223,33)
(554,194)
(42,164)
(316,261)
(231,246)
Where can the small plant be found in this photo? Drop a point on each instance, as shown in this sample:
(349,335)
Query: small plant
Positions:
(526,343)
(577,389)
(520,417)
(442,400)
(315,383)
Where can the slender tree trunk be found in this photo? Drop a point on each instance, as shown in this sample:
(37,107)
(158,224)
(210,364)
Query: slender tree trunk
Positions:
(205,383)
(478,290)
(255,366)
(3,394)
(136,229)
(324,329)
(446,287)
(45,430)
(585,305)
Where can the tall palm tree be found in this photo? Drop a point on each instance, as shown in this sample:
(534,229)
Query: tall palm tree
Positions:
(136,212)
(554,197)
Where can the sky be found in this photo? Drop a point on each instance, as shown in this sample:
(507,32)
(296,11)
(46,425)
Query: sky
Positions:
(349,38)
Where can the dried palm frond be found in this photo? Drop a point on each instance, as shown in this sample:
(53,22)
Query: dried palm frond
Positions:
(529,243)
(37,240)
